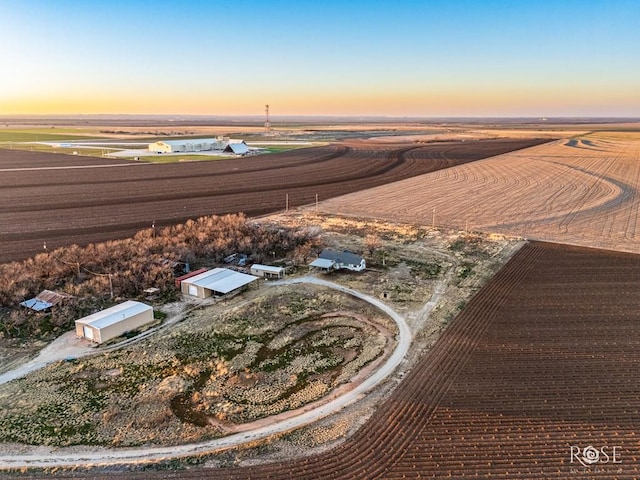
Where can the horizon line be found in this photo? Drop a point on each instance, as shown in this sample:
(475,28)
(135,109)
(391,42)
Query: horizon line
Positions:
(345,116)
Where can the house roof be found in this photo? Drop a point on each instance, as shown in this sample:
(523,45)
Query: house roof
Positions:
(221,280)
(115,314)
(345,257)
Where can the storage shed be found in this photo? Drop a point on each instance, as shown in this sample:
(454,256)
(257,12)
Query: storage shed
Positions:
(113,322)
(267,271)
(45,300)
(184,277)
(218,281)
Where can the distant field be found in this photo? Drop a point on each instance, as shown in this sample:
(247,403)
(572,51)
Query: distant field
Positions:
(181,158)
(582,190)
(52,198)
(164,158)
(40,135)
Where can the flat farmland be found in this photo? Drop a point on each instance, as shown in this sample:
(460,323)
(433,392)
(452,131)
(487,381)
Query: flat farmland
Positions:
(546,357)
(62,200)
(581,191)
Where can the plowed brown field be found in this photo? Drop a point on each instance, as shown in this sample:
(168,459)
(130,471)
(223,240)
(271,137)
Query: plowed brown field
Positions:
(578,191)
(546,357)
(79,201)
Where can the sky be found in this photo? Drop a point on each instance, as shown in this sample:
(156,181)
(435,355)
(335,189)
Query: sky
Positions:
(430,58)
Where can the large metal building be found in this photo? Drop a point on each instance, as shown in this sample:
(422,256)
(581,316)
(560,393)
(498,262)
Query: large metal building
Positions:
(221,144)
(218,281)
(113,322)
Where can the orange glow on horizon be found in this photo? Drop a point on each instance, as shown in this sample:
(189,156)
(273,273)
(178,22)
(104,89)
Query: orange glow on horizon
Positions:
(414,101)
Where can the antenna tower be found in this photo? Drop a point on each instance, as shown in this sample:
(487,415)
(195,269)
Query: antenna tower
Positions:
(267,122)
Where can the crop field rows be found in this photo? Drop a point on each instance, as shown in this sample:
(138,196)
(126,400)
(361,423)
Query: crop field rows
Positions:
(61,206)
(583,192)
(529,369)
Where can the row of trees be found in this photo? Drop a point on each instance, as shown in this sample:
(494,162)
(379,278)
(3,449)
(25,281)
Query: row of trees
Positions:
(124,268)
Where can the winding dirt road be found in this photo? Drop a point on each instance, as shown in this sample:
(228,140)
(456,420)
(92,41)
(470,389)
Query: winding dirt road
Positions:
(95,457)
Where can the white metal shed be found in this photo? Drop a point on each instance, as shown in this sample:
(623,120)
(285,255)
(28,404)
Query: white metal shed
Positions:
(267,271)
(113,322)
(217,281)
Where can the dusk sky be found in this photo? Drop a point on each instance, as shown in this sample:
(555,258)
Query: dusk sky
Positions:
(403,58)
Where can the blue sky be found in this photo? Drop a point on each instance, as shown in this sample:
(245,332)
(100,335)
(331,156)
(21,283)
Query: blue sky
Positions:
(428,58)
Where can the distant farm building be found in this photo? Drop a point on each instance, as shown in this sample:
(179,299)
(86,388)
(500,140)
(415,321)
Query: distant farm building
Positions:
(239,148)
(332,260)
(218,281)
(267,271)
(114,321)
(45,300)
(220,144)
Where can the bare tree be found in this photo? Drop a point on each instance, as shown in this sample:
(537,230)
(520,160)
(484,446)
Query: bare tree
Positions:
(372,243)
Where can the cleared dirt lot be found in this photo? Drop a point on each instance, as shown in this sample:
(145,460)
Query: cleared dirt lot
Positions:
(83,205)
(577,191)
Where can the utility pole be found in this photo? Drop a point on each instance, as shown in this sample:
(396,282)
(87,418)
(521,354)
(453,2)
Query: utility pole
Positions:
(267,122)
(316,203)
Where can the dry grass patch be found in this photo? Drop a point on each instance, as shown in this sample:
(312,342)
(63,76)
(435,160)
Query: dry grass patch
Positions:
(216,370)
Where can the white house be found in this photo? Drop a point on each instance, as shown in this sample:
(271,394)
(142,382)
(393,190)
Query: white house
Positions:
(113,322)
(332,260)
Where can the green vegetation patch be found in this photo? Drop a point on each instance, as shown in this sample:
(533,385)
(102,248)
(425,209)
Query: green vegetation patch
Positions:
(283,148)
(214,370)
(39,135)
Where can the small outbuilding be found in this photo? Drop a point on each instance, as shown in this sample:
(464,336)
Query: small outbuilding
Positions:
(267,271)
(45,300)
(115,321)
(333,260)
(218,281)
(186,276)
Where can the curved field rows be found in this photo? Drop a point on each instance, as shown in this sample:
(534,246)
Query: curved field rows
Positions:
(578,192)
(79,203)
(544,358)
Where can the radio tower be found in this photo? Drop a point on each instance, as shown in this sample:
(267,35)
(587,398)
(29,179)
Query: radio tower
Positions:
(267,123)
